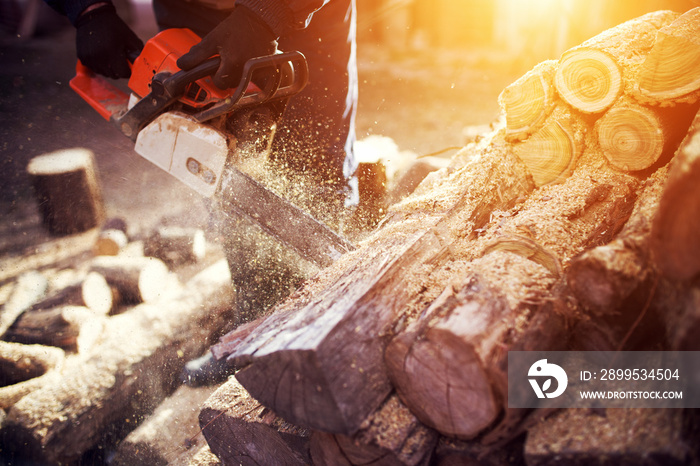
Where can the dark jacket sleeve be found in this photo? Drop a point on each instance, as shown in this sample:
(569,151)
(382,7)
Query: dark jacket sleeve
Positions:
(284,15)
(72,8)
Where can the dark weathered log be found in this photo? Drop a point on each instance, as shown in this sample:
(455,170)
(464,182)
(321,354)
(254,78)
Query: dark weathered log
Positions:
(67,190)
(676,231)
(176,245)
(138,279)
(112,238)
(390,436)
(29,288)
(130,369)
(453,452)
(169,436)
(612,436)
(59,326)
(318,360)
(25,368)
(239,430)
(92,292)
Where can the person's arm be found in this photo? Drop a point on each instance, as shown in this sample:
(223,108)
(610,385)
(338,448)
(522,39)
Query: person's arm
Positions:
(73,8)
(284,16)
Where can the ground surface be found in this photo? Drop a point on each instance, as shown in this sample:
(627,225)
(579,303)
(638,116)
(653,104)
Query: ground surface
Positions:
(423,100)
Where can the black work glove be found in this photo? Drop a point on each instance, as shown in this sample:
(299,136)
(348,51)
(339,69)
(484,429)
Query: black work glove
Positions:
(104,42)
(238,38)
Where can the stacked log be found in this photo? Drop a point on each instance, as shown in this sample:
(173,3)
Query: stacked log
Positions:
(479,261)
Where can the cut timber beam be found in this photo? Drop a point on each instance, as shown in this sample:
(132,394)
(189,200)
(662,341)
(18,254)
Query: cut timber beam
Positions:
(672,68)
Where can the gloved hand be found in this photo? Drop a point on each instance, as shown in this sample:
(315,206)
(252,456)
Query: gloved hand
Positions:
(104,42)
(238,38)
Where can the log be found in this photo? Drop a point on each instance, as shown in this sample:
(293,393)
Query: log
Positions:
(239,430)
(671,71)
(60,327)
(551,153)
(25,368)
(68,191)
(528,101)
(176,245)
(602,278)
(593,75)
(138,279)
(612,436)
(115,384)
(169,436)
(29,288)
(112,238)
(318,360)
(675,241)
(92,292)
(390,436)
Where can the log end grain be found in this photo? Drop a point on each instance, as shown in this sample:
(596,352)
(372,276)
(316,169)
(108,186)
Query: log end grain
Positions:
(588,79)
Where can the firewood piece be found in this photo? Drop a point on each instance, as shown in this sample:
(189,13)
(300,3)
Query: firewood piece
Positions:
(528,101)
(610,436)
(551,153)
(676,229)
(239,430)
(672,68)
(67,190)
(169,436)
(591,76)
(132,368)
(138,279)
(390,436)
(25,368)
(112,238)
(58,326)
(29,288)
(92,292)
(176,245)
(318,360)
(603,277)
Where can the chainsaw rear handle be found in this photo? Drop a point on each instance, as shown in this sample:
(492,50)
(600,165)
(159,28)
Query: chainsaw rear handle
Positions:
(275,87)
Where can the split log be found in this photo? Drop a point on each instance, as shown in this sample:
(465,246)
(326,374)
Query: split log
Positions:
(138,279)
(176,245)
(60,327)
(551,153)
(528,101)
(676,230)
(318,360)
(169,436)
(390,436)
(112,238)
(239,430)
(112,386)
(591,77)
(612,436)
(29,288)
(92,292)
(671,71)
(25,368)
(67,190)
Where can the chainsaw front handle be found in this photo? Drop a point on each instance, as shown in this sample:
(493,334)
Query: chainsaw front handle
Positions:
(100,94)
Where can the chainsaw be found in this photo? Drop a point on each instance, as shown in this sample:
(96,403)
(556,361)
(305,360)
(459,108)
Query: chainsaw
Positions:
(181,122)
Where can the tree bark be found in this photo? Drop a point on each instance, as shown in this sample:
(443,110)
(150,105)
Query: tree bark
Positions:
(675,240)
(318,360)
(67,190)
(593,75)
(671,71)
(239,430)
(390,436)
(121,381)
